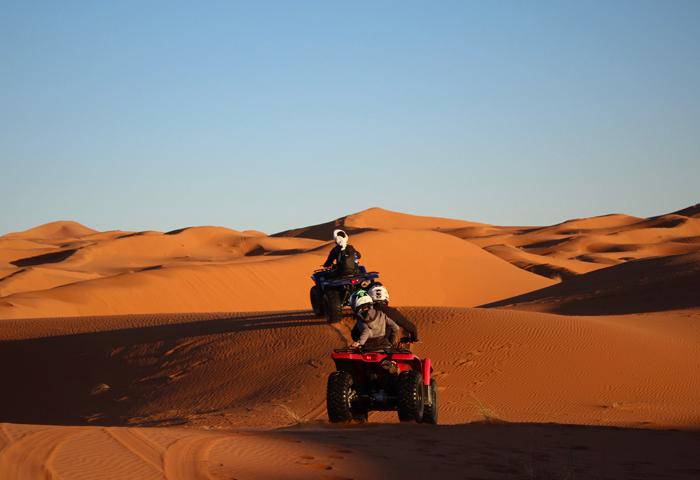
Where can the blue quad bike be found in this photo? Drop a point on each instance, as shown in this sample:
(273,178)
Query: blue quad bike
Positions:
(330,295)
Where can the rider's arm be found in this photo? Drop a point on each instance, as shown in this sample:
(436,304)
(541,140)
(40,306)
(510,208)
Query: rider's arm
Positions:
(353,250)
(395,330)
(332,255)
(364,332)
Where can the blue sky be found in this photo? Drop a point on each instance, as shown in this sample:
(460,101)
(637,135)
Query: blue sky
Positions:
(271,115)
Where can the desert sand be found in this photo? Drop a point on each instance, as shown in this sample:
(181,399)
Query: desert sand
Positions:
(565,351)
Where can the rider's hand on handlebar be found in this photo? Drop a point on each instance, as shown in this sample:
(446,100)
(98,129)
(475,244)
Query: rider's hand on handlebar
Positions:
(355,345)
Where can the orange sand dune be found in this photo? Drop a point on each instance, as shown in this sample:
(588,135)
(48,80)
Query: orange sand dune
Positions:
(240,371)
(209,269)
(546,265)
(322,452)
(649,285)
(53,231)
(375,219)
(442,271)
(234,369)
(580,246)
(65,269)
(108,338)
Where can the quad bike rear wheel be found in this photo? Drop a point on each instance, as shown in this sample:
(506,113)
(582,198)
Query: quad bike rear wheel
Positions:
(430,412)
(410,397)
(339,395)
(332,307)
(316,301)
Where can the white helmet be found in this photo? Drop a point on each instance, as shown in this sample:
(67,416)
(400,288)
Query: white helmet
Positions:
(378,293)
(341,238)
(360,299)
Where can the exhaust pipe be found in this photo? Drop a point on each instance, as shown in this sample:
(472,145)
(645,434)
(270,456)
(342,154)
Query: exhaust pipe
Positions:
(390,367)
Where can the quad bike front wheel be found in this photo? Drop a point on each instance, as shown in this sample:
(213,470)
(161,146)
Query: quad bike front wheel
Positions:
(430,412)
(410,397)
(316,301)
(332,307)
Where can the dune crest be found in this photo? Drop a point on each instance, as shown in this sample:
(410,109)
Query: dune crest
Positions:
(579,246)
(53,231)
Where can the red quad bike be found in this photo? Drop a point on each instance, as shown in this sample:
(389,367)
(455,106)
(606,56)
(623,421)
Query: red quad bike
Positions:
(384,379)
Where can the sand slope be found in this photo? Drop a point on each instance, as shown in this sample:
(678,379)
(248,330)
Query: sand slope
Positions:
(582,245)
(66,269)
(649,285)
(180,355)
(342,453)
(239,371)
(213,269)
(235,368)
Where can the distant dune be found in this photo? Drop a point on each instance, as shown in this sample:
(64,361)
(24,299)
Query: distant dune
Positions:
(214,269)
(649,285)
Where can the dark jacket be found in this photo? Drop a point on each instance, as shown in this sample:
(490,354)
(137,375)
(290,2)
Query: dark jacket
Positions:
(399,319)
(333,255)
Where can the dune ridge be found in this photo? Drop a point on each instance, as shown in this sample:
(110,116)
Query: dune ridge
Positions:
(580,246)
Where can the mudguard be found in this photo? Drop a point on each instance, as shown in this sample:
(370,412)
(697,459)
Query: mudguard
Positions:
(426,370)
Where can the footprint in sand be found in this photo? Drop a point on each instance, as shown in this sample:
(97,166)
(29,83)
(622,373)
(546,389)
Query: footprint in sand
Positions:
(339,449)
(319,466)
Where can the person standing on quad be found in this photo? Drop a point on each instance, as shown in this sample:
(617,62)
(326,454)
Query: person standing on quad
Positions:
(345,255)
(372,324)
(380,296)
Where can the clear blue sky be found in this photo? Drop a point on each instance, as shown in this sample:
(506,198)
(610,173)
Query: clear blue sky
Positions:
(270,115)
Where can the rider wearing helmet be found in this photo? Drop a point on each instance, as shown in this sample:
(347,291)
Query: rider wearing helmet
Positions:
(380,297)
(372,324)
(344,255)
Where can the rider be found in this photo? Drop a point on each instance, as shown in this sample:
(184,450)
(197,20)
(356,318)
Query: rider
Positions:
(345,255)
(371,323)
(380,296)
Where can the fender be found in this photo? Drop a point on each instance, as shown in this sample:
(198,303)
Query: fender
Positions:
(427,369)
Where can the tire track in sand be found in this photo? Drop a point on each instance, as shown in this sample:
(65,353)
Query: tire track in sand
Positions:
(139,445)
(30,457)
(186,459)
(5,437)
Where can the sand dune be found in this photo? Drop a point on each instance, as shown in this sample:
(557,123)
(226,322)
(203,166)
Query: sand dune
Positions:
(235,368)
(212,269)
(181,354)
(376,219)
(365,452)
(649,285)
(66,269)
(442,271)
(53,231)
(580,246)
(231,372)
